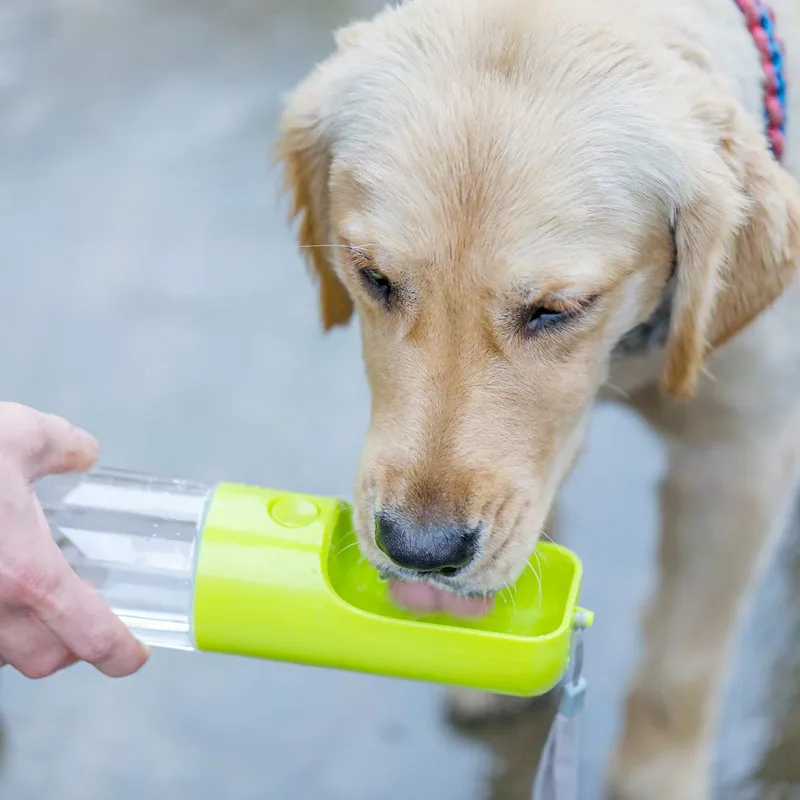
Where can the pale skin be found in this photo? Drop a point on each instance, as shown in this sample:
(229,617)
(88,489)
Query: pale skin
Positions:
(49,618)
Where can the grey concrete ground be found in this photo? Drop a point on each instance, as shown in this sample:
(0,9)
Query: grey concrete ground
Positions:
(151,291)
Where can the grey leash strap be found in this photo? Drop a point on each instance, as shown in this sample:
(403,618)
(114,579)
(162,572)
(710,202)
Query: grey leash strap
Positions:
(557,776)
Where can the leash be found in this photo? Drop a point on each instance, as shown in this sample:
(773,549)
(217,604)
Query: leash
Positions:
(559,766)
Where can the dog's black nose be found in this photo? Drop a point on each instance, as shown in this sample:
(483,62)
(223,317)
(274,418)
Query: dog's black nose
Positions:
(433,547)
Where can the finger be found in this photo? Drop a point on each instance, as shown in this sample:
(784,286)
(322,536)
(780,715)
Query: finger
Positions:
(67,448)
(78,617)
(46,444)
(29,647)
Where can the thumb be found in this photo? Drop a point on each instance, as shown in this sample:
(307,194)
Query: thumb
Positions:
(67,448)
(45,444)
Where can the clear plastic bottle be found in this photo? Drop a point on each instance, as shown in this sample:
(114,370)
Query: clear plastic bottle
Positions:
(135,538)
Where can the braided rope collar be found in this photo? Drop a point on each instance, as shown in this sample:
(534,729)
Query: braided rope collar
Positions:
(761,24)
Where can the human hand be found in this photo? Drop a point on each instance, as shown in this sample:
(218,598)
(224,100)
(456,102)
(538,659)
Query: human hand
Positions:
(49,618)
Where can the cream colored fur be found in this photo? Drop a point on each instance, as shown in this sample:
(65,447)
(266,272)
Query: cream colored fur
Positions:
(484,155)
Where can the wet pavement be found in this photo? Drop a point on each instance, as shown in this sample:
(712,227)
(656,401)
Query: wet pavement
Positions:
(152,292)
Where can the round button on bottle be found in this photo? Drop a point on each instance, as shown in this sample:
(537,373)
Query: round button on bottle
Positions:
(293,512)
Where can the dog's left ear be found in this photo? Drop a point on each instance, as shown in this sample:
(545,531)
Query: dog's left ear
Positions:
(737,238)
(304,149)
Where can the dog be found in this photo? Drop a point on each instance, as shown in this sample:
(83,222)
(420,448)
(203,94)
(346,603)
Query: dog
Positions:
(534,206)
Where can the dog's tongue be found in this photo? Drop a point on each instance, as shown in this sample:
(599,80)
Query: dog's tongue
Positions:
(426,599)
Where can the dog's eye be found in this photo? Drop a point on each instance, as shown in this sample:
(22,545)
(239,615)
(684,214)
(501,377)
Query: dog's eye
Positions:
(377,284)
(539,318)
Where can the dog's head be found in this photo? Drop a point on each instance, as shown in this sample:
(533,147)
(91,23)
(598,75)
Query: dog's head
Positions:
(501,191)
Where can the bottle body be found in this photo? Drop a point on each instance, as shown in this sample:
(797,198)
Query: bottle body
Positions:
(135,539)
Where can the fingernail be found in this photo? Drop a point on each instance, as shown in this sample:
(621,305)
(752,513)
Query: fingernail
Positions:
(89,451)
(91,440)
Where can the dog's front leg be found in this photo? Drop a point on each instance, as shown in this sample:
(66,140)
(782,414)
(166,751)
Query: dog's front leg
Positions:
(725,494)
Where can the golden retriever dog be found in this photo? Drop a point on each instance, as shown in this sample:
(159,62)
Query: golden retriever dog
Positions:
(526,202)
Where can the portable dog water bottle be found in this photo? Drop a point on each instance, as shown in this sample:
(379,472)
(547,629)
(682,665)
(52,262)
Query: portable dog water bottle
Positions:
(250,571)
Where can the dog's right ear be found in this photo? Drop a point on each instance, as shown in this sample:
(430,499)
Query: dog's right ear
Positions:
(304,149)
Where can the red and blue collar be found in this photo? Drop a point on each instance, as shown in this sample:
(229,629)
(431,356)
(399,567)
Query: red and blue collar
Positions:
(761,24)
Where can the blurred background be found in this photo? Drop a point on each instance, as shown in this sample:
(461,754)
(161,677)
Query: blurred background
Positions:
(151,291)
